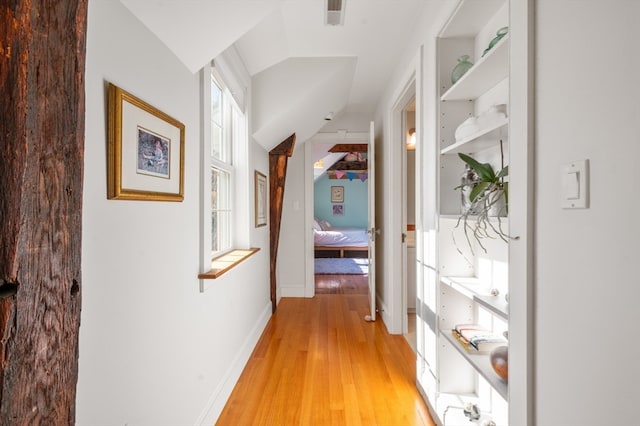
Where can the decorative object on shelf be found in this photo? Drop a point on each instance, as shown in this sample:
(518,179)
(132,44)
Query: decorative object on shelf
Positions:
(467,181)
(499,34)
(467,128)
(476,339)
(461,68)
(495,114)
(499,358)
(497,201)
(472,412)
(489,191)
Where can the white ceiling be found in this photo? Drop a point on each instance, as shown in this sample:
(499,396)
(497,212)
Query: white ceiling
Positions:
(286,47)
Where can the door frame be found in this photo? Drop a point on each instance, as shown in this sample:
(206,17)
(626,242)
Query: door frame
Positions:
(397,305)
(320,137)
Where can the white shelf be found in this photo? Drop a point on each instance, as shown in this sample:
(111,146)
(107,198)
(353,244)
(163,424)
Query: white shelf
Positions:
(480,363)
(479,291)
(486,138)
(455,416)
(483,75)
(469,17)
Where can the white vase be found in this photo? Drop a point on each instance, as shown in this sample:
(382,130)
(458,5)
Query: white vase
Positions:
(498,202)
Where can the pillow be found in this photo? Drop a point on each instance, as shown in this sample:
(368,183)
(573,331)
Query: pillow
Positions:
(316,225)
(324,225)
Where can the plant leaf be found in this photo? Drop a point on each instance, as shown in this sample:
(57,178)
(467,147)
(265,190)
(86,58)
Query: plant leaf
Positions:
(505,187)
(504,172)
(483,170)
(478,190)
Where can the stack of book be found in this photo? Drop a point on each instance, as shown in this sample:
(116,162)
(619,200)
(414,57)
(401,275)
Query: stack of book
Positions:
(477,339)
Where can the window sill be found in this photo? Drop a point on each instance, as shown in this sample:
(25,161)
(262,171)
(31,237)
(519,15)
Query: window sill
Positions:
(223,263)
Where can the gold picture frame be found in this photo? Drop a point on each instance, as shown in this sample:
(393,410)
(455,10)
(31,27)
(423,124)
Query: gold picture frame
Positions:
(145,150)
(261,197)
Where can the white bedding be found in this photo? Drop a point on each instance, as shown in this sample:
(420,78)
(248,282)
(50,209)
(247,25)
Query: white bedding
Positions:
(353,237)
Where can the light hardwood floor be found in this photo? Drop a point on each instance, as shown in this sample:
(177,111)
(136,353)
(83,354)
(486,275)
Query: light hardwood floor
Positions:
(319,363)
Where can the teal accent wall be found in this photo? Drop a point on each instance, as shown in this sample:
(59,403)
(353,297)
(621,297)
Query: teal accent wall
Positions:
(356,201)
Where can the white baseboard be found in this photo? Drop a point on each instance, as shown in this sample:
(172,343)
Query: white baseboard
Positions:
(291,291)
(219,397)
(383,312)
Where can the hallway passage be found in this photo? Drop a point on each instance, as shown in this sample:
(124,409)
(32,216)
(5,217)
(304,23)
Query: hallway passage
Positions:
(319,363)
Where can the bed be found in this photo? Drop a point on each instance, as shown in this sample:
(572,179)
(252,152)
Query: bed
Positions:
(342,240)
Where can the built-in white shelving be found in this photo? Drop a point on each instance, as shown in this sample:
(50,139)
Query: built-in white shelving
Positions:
(467,280)
(483,75)
(472,277)
(470,17)
(481,363)
(485,138)
(480,292)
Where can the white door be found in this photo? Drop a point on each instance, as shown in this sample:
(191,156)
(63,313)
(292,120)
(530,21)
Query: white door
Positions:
(372,224)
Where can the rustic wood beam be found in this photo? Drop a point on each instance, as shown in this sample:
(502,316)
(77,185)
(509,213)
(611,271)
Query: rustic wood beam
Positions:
(42,46)
(350,147)
(278,157)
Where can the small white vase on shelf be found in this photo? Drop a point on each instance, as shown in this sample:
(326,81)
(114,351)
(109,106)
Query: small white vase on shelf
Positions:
(498,202)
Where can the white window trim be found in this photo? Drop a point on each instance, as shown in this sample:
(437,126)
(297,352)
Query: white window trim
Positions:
(241,189)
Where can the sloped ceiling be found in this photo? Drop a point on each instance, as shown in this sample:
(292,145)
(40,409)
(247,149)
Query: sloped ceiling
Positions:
(197,31)
(296,95)
(301,69)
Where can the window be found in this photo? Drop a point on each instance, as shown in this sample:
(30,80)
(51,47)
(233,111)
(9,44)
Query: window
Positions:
(225,179)
(226,133)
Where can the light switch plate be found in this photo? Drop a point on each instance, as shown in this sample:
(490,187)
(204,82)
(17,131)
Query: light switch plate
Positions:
(575,185)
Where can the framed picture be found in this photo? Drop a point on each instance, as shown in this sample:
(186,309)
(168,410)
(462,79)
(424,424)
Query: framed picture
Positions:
(261,197)
(337,194)
(338,209)
(145,152)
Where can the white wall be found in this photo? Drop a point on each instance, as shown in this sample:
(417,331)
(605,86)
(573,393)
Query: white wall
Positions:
(587,291)
(587,107)
(291,249)
(388,162)
(153,350)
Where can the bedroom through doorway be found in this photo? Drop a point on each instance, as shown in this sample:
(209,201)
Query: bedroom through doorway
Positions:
(340,212)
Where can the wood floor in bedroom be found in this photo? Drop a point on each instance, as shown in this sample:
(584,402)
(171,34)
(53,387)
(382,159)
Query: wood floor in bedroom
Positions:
(342,284)
(319,362)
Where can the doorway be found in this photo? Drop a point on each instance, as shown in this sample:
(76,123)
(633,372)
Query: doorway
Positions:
(408,144)
(404,128)
(340,214)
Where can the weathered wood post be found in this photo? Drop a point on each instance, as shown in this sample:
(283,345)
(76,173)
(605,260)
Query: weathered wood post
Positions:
(278,157)
(42,51)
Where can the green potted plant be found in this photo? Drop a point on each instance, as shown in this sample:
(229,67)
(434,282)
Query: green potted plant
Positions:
(488,197)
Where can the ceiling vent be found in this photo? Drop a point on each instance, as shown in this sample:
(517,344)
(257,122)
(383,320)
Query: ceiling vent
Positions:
(335,12)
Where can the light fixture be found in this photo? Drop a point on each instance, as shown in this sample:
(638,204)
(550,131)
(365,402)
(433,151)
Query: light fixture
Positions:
(329,116)
(411,140)
(334,12)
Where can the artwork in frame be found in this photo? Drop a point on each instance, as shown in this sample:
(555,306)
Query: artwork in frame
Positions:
(145,150)
(338,209)
(337,194)
(261,198)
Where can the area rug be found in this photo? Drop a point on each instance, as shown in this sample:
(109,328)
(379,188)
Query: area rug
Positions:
(341,266)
